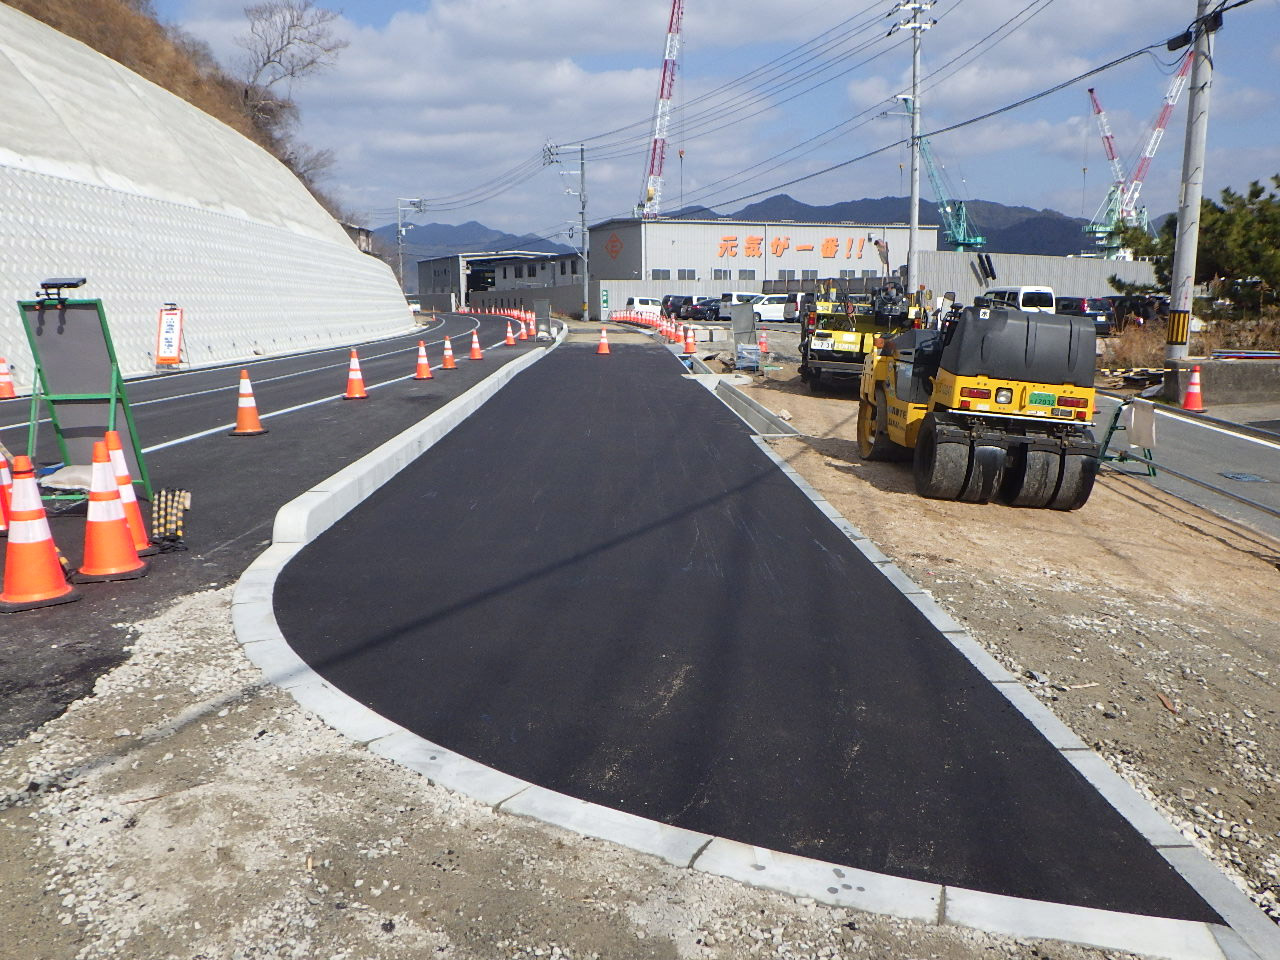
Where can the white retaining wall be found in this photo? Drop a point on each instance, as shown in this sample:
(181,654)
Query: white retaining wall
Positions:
(107,176)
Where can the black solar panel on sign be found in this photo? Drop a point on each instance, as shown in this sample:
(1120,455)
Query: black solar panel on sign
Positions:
(78,380)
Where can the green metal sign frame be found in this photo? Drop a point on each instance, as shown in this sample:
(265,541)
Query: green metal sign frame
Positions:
(114,396)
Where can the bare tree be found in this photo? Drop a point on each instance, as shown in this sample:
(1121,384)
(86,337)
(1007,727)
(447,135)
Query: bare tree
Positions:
(287,41)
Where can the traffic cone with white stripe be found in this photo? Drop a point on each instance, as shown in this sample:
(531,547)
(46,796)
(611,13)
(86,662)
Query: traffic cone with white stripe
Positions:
(424,365)
(33,574)
(510,341)
(6,495)
(476,352)
(247,422)
(763,343)
(355,380)
(1192,399)
(6,381)
(448,362)
(524,333)
(109,553)
(604,342)
(128,497)
(689,345)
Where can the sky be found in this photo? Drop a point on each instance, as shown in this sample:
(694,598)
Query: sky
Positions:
(447,101)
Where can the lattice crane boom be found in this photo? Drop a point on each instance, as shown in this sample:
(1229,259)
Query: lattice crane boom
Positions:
(651,196)
(1129,202)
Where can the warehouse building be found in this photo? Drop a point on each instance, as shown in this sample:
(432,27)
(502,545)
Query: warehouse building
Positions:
(650,258)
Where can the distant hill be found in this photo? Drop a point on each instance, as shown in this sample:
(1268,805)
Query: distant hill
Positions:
(1007,229)
(422,241)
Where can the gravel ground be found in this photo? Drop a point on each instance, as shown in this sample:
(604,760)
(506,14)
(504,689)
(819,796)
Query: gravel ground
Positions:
(186,812)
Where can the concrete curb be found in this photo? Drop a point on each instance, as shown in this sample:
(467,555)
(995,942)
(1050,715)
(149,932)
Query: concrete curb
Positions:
(307,516)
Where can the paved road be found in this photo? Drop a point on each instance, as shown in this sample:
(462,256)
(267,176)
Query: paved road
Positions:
(52,656)
(599,584)
(1207,452)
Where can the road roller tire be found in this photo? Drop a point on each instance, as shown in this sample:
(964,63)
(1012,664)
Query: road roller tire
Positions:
(815,381)
(986,469)
(940,469)
(1032,478)
(1078,474)
(873,438)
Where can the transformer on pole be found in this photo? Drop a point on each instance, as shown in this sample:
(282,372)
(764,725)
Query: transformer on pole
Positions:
(651,197)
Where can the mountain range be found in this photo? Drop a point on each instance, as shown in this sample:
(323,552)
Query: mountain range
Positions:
(1007,229)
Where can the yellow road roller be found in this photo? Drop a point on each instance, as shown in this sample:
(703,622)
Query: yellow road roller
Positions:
(995,405)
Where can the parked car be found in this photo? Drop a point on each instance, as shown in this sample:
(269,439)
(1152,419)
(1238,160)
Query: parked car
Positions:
(695,309)
(644,306)
(671,305)
(773,306)
(1097,307)
(1025,298)
(727,300)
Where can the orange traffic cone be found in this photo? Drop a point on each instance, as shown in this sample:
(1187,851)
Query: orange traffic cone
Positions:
(448,363)
(6,381)
(689,344)
(510,341)
(424,365)
(108,546)
(6,495)
(1192,400)
(33,575)
(476,353)
(763,343)
(247,422)
(523,334)
(604,342)
(128,498)
(355,380)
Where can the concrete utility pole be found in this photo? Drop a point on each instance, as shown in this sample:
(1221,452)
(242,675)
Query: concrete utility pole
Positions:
(413,204)
(1188,238)
(586,238)
(917,27)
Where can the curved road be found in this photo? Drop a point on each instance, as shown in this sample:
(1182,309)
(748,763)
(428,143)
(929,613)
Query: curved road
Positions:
(599,584)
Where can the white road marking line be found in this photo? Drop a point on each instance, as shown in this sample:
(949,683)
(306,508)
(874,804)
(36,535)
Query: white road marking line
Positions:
(235,386)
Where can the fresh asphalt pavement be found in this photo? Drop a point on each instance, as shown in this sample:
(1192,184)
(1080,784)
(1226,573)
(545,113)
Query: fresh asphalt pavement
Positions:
(599,584)
(50,657)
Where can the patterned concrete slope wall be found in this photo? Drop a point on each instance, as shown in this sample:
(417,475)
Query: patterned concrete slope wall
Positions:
(106,176)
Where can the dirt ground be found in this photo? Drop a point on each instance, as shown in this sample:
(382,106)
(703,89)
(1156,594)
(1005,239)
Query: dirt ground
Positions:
(1149,626)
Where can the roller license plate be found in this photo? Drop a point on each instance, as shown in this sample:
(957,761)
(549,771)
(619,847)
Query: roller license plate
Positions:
(1043,399)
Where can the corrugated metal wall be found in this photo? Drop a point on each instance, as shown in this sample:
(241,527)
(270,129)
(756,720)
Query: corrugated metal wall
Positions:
(943,271)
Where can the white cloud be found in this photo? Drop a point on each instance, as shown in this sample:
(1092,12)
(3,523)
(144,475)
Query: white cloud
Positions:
(444,96)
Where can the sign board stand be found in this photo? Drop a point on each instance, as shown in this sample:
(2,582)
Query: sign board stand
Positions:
(169,337)
(77,379)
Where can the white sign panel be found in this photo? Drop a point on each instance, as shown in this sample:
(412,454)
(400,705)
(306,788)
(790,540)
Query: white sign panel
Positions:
(169,337)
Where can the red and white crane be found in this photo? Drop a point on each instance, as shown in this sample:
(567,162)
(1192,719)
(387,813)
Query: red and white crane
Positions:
(651,197)
(1120,207)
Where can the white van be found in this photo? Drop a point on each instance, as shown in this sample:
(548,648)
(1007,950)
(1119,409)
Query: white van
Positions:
(1029,299)
(775,307)
(645,306)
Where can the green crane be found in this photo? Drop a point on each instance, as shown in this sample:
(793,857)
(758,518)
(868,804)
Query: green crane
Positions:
(956,229)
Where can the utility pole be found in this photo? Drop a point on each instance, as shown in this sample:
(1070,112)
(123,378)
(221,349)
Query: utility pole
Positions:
(586,238)
(1188,238)
(917,27)
(413,204)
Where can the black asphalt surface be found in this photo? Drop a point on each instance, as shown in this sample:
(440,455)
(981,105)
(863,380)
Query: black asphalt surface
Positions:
(599,584)
(51,657)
